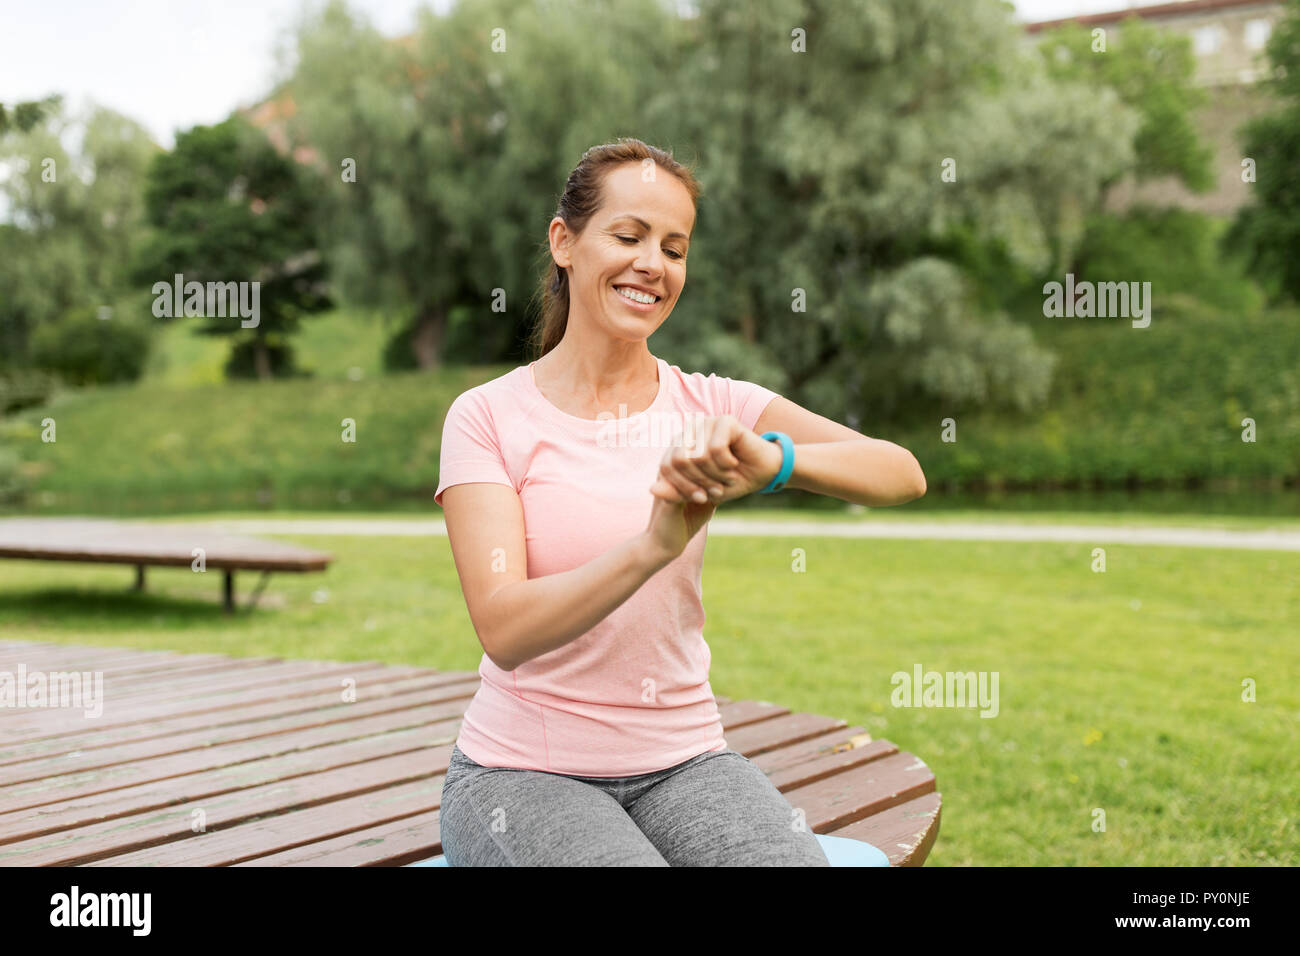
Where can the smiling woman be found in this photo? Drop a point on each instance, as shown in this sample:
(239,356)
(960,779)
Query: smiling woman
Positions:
(580,561)
(618,241)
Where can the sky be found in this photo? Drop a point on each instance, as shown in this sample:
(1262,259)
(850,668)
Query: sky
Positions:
(171,64)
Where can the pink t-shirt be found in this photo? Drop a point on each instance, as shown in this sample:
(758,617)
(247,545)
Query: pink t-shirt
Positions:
(631,695)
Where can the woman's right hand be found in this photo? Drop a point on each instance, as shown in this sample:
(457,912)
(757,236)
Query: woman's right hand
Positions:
(703,460)
(673,524)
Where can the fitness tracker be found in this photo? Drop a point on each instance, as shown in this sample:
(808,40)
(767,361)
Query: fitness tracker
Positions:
(787,463)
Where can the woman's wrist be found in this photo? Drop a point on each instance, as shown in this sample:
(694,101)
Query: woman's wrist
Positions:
(778,462)
(651,557)
(776,456)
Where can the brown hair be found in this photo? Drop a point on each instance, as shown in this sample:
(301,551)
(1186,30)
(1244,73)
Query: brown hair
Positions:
(582,196)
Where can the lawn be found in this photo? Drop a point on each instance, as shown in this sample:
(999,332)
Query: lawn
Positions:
(1119,691)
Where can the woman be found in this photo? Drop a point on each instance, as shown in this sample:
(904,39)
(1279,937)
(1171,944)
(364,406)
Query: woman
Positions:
(594,737)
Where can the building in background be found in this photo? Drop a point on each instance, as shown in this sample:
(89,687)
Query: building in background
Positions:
(1228,39)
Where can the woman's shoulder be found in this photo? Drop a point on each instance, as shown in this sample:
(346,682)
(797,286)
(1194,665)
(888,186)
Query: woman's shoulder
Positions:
(504,386)
(713,393)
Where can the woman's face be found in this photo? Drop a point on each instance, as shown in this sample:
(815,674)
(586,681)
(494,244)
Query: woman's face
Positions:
(638,237)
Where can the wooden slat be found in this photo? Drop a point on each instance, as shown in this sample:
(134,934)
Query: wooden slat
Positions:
(7,645)
(861,791)
(269,684)
(144,674)
(66,657)
(404,841)
(904,833)
(779,731)
(823,767)
(251,839)
(791,754)
(129,680)
(131,696)
(742,712)
(235,674)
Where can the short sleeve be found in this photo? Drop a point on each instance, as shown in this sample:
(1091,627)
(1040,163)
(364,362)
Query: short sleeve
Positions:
(470,449)
(744,400)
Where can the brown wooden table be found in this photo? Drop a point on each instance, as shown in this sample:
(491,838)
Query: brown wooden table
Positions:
(205,760)
(174,545)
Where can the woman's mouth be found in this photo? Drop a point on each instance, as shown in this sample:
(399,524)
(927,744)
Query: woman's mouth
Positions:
(632,303)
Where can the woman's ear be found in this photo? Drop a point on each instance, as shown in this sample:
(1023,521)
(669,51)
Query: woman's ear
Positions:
(560,239)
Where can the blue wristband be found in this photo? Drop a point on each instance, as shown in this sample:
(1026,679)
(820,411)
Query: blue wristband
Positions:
(787,463)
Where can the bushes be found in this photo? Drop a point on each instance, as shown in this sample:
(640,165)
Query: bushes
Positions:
(85,349)
(1185,255)
(1164,404)
(24,388)
(1176,250)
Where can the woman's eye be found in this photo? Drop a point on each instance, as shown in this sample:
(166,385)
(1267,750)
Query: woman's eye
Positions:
(674,253)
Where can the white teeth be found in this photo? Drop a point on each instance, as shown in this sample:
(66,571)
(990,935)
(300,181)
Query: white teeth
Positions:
(634,295)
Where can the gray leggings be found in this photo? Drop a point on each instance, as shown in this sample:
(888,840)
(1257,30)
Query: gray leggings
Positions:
(716,809)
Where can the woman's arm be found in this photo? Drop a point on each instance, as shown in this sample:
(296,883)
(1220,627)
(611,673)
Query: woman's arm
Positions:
(518,618)
(833,459)
(829,459)
(865,471)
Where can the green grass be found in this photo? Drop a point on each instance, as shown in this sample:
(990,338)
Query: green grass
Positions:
(221,442)
(329,346)
(341,341)
(1119,691)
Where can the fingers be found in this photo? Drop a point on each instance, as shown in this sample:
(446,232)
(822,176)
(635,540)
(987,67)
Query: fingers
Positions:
(700,467)
(703,458)
(668,492)
(710,447)
(664,489)
(682,488)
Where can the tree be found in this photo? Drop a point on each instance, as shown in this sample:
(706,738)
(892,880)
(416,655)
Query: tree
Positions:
(1268,230)
(459,137)
(1151,70)
(225,207)
(73,219)
(22,117)
(839,151)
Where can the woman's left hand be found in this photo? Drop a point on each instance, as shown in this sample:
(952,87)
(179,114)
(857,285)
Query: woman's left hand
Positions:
(722,460)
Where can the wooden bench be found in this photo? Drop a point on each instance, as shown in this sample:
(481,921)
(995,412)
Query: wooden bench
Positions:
(206,760)
(167,545)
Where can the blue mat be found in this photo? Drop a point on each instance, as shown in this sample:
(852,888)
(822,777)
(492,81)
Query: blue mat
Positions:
(841,851)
